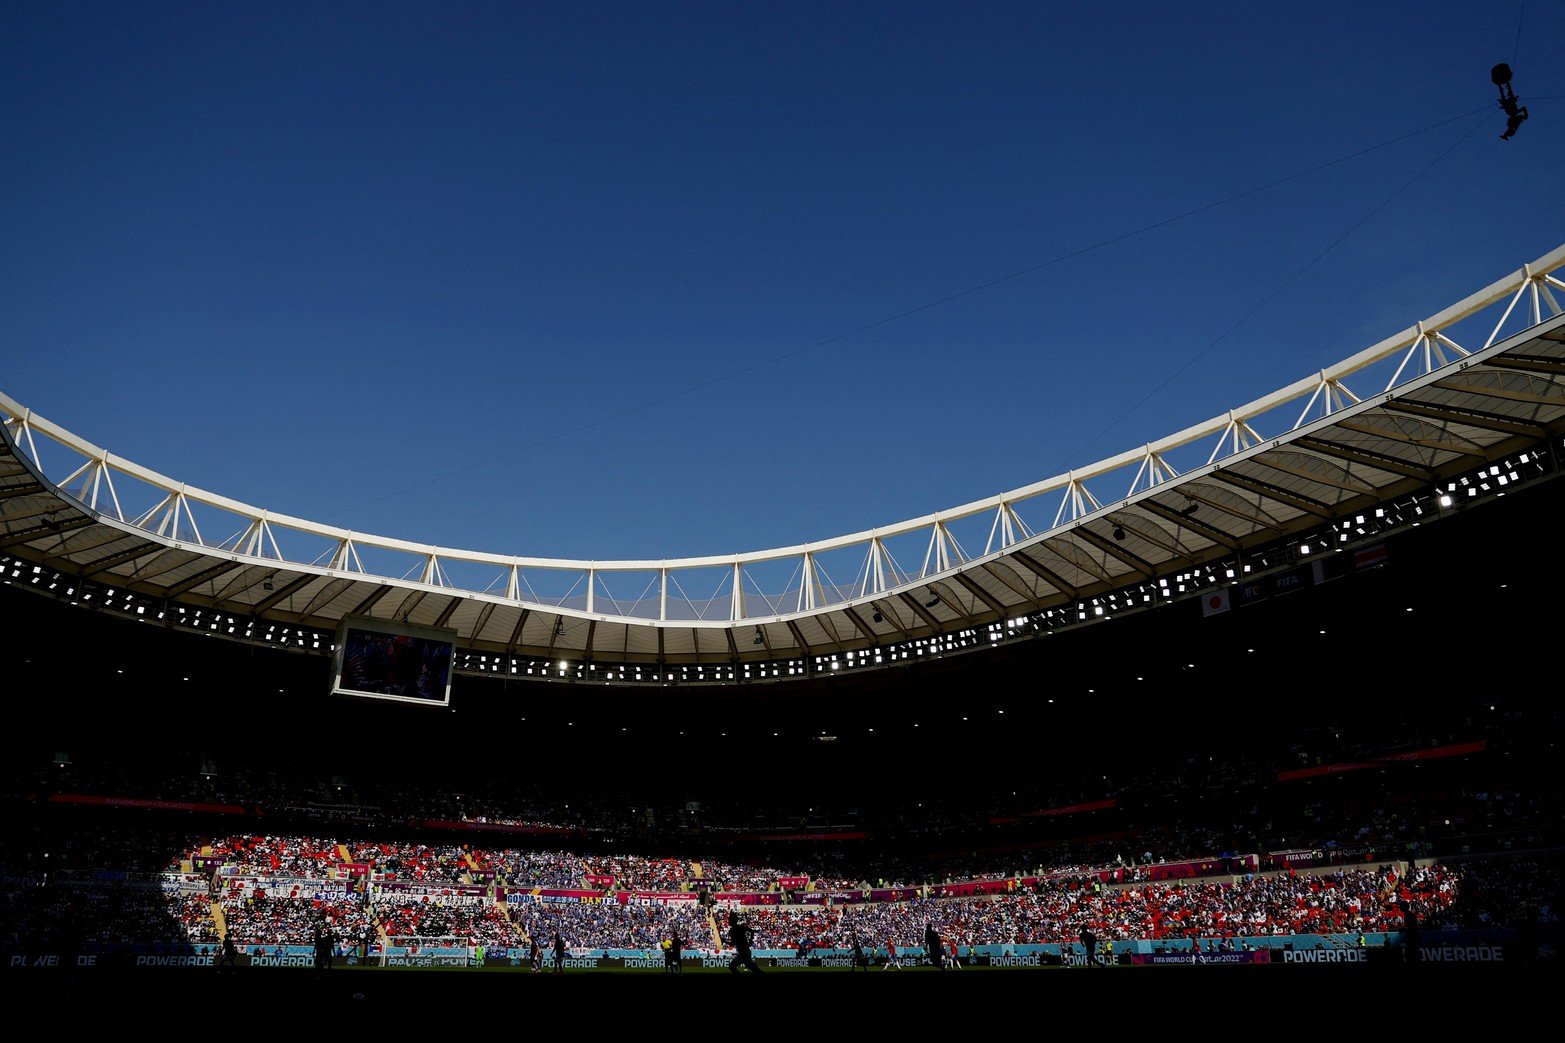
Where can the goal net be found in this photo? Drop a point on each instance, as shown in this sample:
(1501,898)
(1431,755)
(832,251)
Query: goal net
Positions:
(409,950)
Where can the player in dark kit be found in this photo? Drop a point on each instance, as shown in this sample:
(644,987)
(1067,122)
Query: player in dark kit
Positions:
(1089,941)
(559,953)
(229,957)
(933,946)
(324,944)
(740,937)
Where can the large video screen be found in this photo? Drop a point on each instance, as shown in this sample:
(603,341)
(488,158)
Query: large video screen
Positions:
(383,660)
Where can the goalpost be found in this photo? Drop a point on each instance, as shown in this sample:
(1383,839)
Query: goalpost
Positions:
(410,950)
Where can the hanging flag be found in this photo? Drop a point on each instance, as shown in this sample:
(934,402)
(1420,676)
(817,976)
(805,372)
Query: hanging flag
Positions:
(1369,557)
(1215,602)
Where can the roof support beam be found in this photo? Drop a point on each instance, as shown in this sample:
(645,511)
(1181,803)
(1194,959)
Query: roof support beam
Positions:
(325,596)
(1510,425)
(1046,574)
(369,602)
(1076,557)
(242,581)
(482,621)
(942,589)
(105,537)
(1013,582)
(192,582)
(918,609)
(28,489)
(1346,483)
(1441,444)
(409,603)
(824,619)
(1255,515)
(287,590)
(65,557)
(981,594)
(1137,528)
(516,632)
(1531,398)
(445,613)
(798,638)
(1271,492)
(88,569)
(890,618)
(34,532)
(44,506)
(1527,364)
(1115,551)
(166,560)
(1216,535)
(863,627)
(1367,457)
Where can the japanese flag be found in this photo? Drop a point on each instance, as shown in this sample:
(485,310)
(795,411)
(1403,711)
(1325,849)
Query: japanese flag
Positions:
(1215,602)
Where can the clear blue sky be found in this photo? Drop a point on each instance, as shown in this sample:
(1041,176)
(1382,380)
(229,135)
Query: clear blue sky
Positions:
(311,256)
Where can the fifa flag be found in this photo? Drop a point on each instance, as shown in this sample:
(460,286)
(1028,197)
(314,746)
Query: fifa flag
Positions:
(1215,602)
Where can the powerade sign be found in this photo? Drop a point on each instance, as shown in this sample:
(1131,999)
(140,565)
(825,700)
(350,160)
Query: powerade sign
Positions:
(46,959)
(268,961)
(1325,956)
(174,961)
(1461,953)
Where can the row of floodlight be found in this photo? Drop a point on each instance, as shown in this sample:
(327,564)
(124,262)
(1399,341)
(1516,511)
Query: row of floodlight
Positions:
(1491,479)
(1366,526)
(207,620)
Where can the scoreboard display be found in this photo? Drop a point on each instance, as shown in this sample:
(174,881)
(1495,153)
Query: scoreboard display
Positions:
(379,659)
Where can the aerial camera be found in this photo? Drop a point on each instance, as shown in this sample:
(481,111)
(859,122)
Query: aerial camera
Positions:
(1515,115)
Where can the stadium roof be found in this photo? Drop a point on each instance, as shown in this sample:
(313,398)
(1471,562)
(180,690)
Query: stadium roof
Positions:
(1483,378)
